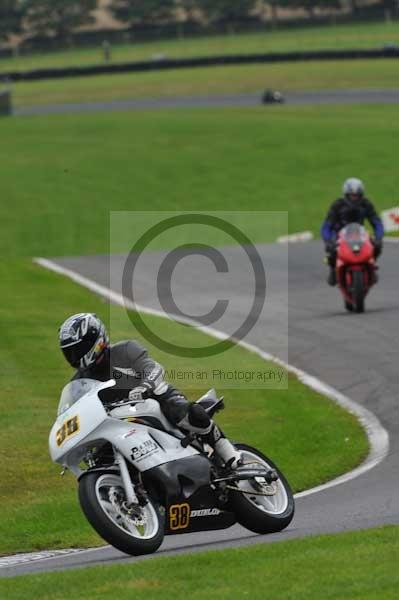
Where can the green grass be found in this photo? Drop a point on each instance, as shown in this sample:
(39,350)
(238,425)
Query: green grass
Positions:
(357,565)
(39,509)
(310,38)
(311,75)
(61,177)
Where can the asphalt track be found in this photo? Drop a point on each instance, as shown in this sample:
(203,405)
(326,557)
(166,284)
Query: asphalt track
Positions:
(357,354)
(358,96)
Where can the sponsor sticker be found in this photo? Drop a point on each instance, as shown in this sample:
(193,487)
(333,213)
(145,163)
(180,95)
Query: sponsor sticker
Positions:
(129,433)
(144,449)
(205,512)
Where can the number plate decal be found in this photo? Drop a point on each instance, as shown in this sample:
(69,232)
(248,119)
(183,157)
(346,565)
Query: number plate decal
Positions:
(179,516)
(67,430)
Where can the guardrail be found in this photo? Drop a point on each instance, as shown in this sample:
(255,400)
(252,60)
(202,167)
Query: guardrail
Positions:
(203,61)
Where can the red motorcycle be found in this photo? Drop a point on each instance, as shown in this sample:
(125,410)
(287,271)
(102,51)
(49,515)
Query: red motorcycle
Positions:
(355,266)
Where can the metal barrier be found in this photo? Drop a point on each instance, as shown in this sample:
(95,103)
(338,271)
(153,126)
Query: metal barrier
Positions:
(389,51)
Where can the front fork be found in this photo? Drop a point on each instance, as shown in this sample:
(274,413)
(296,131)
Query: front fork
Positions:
(131,498)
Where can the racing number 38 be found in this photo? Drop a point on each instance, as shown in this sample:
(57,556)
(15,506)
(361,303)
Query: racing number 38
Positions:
(179,516)
(67,429)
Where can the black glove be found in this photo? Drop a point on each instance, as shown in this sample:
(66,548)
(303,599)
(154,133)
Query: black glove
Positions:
(331,247)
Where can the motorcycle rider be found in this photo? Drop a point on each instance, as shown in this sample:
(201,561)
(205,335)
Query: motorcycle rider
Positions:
(85,344)
(352,207)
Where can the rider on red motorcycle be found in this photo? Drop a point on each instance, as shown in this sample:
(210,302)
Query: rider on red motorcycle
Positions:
(353,207)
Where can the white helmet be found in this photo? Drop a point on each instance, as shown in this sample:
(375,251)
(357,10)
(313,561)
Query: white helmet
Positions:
(353,187)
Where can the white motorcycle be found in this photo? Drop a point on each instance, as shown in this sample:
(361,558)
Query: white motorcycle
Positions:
(141,479)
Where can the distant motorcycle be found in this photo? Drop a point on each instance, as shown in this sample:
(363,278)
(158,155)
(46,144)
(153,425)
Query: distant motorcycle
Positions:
(272,97)
(355,266)
(141,479)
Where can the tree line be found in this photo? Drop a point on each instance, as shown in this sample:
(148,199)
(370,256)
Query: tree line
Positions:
(60,18)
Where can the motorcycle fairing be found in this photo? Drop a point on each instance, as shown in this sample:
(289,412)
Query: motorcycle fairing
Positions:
(149,413)
(191,503)
(354,253)
(142,446)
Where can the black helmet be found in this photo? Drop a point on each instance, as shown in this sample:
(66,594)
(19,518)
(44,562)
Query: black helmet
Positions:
(83,340)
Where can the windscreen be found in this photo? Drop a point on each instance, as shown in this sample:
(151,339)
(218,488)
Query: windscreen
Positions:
(74,390)
(355,235)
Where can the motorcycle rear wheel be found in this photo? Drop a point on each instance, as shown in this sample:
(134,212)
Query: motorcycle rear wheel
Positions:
(258,513)
(101,496)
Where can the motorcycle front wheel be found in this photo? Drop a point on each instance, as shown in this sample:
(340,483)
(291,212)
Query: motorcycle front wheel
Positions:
(258,506)
(102,498)
(358,292)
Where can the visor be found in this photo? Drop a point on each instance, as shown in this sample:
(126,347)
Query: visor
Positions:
(75,352)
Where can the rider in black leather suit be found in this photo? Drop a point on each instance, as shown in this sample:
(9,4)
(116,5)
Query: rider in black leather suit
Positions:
(85,345)
(352,207)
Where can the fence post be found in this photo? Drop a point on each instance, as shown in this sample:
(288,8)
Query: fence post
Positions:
(106,46)
(5,102)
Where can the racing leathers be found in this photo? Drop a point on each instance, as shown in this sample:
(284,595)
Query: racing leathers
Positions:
(138,376)
(342,212)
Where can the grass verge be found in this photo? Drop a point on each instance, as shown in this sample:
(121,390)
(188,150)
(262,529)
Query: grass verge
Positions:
(309,38)
(58,193)
(312,75)
(330,567)
(309,437)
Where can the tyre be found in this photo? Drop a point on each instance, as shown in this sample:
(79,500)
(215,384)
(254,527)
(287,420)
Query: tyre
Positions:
(253,509)
(102,496)
(358,291)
